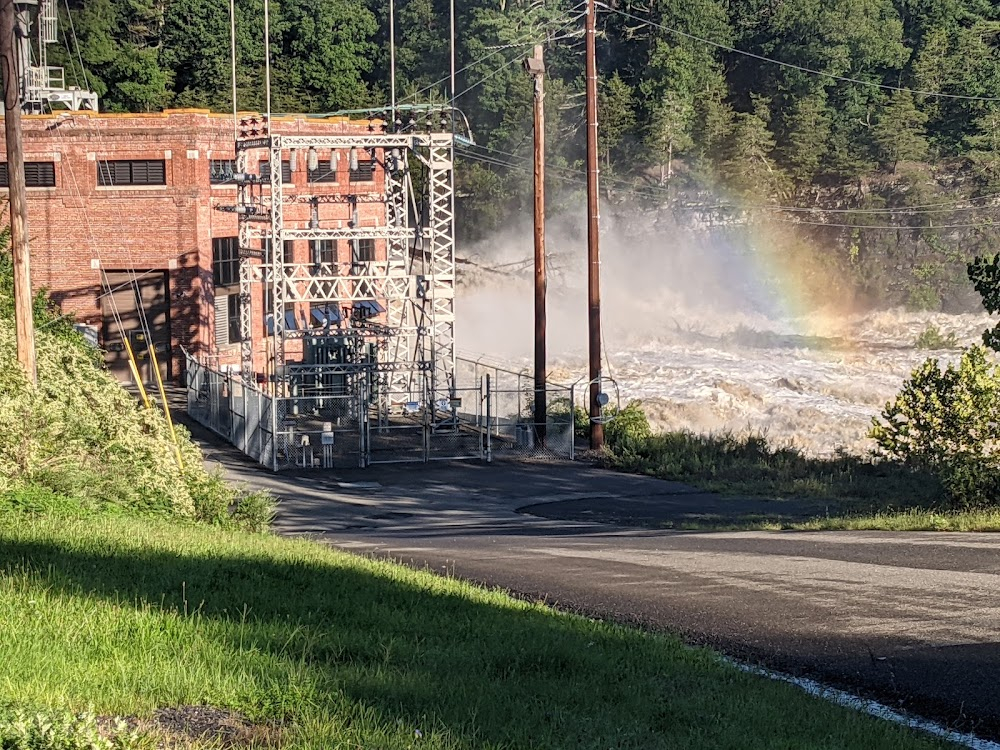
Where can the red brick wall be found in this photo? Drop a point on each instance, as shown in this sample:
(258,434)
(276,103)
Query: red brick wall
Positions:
(77,227)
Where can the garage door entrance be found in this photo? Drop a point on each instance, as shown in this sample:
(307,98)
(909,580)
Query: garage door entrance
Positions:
(146,290)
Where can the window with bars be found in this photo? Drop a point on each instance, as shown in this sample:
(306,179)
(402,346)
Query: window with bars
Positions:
(220,171)
(365,171)
(226,261)
(364,251)
(286,171)
(227,319)
(36,174)
(131,172)
(323,251)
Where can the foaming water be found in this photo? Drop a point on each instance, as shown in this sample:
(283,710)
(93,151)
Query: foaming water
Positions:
(713,355)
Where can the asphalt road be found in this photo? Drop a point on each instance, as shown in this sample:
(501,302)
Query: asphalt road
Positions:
(911,619)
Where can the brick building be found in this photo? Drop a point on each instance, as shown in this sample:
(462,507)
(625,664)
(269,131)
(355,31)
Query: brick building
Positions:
(123,208)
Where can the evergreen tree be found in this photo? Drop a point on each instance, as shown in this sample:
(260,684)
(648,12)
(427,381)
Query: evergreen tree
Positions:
(807,127)
(669,132)
(899,130)
(616,108)
(750,168)
(984,147)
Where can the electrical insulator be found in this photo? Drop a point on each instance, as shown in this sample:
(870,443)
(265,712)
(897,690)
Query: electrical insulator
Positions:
(353,158)
(293,160)
(334,158)
(397,160)
(313,160)
(314,217)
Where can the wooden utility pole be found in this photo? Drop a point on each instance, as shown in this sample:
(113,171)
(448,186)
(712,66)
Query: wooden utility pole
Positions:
(593,227)
(536,67)
(23,315)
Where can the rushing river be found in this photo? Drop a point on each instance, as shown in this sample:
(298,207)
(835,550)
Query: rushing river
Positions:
(715,357)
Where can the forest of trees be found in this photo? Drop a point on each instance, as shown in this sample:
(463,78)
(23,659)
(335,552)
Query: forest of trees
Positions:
(878,105)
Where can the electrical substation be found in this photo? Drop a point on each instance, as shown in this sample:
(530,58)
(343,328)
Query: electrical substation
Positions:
(360,346)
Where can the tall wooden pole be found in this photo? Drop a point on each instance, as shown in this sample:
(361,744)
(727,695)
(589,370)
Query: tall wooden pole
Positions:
(23,318)
(536,67)
(593,249)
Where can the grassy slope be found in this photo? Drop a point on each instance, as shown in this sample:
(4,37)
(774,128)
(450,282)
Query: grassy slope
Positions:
(130,615)
(856,493)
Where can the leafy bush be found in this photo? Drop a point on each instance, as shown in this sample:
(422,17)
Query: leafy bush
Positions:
(932,338)
(253,511)
(78,435)
(948,421)
(62,730)
(626,428)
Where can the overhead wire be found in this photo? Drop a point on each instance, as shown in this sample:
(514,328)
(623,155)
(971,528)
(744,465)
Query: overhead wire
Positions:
(510,62)
(494,52)
(653,191)
(497,161)
(794,66)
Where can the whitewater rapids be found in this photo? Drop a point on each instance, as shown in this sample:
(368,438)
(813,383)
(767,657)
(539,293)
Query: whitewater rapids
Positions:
(716,356)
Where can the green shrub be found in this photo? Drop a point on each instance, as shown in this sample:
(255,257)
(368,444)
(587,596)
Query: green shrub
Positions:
(932,338)
(253,511)
(626,428)
(78,435)
(948,421)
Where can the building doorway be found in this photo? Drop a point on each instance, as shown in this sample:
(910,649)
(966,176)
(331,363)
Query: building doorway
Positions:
(148,291)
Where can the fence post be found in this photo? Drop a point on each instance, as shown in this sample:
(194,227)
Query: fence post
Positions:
(572,422)
(489,419)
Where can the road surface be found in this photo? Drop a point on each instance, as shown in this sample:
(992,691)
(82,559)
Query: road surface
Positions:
(912,619)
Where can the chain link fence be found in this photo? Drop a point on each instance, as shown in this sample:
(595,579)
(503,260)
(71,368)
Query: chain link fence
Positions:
(508,418)
(336,424)
(227,406)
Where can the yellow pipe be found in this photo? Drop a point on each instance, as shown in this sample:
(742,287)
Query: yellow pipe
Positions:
(166,407)
(135,371)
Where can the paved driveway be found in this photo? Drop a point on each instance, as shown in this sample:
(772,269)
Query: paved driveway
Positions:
(913,619)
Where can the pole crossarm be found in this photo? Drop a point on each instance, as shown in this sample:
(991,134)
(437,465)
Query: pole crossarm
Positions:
(351,233)
(353,140)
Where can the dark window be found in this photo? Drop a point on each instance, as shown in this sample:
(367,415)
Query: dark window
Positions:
(235,334)
(286,171)
(323,251)
(365,251)
(288,250)
(227,319)
(365,171)
(132,172)
(226,261)
(267,311)
(36,174)
(323,173)
(220,171)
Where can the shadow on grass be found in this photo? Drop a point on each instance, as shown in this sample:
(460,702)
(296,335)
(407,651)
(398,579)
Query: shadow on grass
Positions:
(387,653)
(354,653)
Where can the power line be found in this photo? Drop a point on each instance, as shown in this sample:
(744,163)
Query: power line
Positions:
(494,52)
(801,68)
(495,161)
(904,227)
(507,64)
(654,191)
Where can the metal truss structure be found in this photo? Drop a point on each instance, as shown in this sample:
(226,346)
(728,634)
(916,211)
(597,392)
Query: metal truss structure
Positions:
(395,313)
